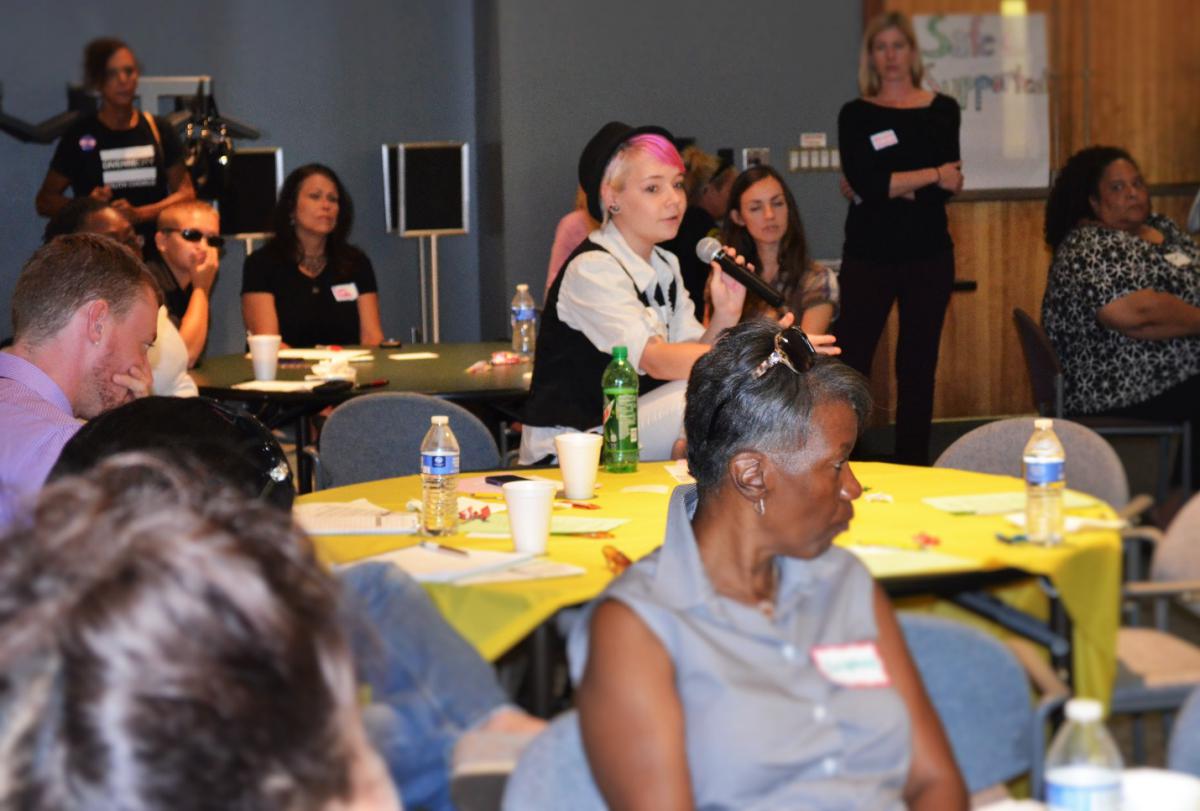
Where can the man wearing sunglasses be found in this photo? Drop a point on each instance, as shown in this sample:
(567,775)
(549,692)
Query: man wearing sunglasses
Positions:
(189,242)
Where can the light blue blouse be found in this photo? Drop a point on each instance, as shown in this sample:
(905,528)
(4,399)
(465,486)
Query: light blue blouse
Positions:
(765,728)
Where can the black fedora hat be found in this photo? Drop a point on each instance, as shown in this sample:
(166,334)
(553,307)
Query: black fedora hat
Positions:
(599,152)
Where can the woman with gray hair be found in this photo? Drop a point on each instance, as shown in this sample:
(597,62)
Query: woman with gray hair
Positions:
(749,663)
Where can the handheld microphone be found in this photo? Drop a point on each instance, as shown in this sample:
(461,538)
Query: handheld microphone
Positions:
(709,249)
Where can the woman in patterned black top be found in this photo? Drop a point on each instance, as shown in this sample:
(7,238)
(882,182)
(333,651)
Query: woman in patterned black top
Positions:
(1122,304)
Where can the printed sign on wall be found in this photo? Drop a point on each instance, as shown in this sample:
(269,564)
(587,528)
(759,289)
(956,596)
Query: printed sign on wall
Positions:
(995,67)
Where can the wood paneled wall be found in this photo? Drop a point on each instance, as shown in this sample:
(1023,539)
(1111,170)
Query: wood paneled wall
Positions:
(1124,73)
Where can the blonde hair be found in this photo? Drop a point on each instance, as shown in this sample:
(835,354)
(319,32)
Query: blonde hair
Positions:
(868,79)
(656,146)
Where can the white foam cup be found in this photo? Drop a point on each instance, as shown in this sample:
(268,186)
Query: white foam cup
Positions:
(264,355)
(578,459)
(529,506)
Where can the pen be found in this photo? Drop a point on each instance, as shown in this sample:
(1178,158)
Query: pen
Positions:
(434,546)
(487,496)
(373,384)
(1002,538)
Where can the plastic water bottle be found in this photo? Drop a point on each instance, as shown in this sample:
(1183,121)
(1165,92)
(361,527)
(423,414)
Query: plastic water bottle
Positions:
(439,471)
(1083,767)
(1044,483)
(620,384)
(524,332)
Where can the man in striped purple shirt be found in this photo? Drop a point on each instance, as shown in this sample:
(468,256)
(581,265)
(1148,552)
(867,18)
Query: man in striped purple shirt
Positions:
(84,315)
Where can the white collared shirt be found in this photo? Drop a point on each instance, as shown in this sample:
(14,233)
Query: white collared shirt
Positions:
(597,298)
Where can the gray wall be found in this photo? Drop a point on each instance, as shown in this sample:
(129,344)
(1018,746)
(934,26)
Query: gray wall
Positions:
(526,82)
(755,74)
(326,81)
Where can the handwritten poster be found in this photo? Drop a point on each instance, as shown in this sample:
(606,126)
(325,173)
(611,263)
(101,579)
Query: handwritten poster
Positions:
(995,67)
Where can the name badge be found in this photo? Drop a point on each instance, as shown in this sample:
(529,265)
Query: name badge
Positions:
(345,292)
(856,664)
(1179,259)
(884,139)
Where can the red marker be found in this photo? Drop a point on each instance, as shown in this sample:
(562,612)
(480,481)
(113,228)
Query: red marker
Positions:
(373,384)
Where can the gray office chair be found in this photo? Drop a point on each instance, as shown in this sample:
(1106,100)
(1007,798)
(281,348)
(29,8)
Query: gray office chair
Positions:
(553,772)
(1156,670)
(1093,467)
(1046,381)
(981,693)
(378,436)
(1183,751)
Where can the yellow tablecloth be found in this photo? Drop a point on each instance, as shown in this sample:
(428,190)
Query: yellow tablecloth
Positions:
(494,617)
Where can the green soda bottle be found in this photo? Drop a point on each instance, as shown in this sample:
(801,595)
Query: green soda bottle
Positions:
(620,384)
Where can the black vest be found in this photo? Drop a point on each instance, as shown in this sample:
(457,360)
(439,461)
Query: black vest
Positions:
(567,367)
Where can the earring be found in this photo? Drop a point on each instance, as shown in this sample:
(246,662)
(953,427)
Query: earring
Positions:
(760,507)
(614,209)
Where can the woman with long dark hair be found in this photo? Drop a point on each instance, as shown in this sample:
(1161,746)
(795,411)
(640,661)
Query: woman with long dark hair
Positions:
(309,284)
(763,225)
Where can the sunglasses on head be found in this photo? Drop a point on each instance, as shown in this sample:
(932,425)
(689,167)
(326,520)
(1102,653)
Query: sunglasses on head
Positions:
(792,349)
(195,235)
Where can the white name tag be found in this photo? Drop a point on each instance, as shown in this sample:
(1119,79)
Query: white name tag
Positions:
(856,664)
(884,139)
(1179,259)
(345,292)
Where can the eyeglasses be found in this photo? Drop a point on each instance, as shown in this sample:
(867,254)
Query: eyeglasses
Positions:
(792,349)
(195,235)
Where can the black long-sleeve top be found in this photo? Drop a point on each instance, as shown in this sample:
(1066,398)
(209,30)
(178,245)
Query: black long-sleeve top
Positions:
(884,229)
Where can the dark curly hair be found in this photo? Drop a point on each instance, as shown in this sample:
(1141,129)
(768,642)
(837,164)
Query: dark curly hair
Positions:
(340,254)
(1077,182)
(793,248)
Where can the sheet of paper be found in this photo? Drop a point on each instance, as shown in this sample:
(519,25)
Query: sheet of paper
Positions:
(351,355)
(679,471)
(998,503)
(537,569)
(277,385)
(1074,523)
(433,566)
(885,562)
(497,525)
(413,356)
(359,517)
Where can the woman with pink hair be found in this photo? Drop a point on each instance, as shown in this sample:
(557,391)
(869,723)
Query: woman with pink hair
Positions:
(618,288)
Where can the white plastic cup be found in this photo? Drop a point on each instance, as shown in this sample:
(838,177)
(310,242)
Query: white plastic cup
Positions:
(264,354)
(578,459)
(529,506)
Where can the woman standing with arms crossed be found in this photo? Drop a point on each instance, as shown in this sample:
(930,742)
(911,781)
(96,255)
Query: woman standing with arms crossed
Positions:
(119,155)
(900,153)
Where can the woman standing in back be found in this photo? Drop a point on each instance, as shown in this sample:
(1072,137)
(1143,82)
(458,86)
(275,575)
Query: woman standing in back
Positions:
(900,153)
(118,155)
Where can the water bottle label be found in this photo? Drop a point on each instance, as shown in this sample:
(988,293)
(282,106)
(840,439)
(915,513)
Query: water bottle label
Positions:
(523,313)
(439,464)
(1096,797)
(1043,471)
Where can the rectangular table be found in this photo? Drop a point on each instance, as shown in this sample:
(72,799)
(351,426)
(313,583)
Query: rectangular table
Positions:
(1085,570)
(496,388)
